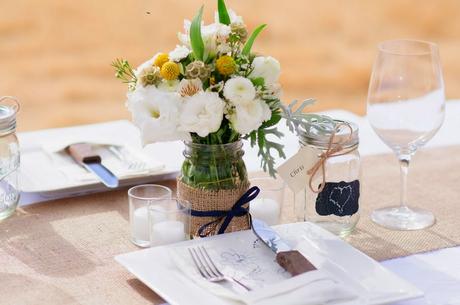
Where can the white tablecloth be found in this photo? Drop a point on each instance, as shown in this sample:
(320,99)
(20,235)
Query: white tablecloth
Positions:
(436,273)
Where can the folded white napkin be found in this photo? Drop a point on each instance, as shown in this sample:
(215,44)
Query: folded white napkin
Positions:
(269,283)
(74,172)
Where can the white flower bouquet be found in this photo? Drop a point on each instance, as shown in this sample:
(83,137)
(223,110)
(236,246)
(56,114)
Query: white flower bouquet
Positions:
(212,90)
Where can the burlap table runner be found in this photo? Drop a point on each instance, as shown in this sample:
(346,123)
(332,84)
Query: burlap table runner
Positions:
(61,252)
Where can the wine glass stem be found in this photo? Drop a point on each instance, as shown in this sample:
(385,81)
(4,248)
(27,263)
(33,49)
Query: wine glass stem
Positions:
(404,166)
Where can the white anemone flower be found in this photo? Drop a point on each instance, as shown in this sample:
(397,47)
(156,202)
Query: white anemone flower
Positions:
(248,117)
(239,90)
(156,114)
(202,113)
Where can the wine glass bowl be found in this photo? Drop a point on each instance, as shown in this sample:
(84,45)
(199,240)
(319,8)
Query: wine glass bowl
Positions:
(405,107)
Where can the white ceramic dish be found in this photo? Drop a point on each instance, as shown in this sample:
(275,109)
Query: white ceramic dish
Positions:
(366,277)
(41,174)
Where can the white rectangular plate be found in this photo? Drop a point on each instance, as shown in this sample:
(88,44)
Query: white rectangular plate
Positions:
(372,282)
(38,172)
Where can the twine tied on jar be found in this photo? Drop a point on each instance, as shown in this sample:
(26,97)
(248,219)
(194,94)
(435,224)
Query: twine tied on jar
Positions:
(333,150)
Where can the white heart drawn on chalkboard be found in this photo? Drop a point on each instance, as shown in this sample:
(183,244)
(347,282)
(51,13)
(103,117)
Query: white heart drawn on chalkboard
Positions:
(342,190)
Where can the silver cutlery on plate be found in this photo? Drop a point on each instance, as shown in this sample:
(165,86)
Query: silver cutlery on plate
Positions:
(208,269)
(291,260)
(132,163)
(84,155)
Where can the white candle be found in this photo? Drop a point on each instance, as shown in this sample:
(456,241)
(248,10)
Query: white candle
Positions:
(265,209)
(167,232)
(140,225)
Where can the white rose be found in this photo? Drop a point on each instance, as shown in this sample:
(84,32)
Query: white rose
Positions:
(168,85)
(179,53)
(202,113)
(248,117)
(239,90)
(267,67)
(156,114)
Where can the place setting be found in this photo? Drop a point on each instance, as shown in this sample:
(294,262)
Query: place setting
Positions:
(219,191)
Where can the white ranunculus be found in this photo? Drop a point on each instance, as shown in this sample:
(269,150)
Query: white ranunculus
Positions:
(212,34)
(179,53)
(248,117)
(239,90)
(234,18)
(156,114)
(168,85)
(202,113)
(267,67)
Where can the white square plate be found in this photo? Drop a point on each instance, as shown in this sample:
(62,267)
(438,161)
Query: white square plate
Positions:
(367,278)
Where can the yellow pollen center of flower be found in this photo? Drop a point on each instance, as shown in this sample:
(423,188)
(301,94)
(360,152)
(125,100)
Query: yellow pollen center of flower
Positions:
(155,113)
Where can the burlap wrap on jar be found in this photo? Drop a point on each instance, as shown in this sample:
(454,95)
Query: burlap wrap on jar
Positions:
(213,200)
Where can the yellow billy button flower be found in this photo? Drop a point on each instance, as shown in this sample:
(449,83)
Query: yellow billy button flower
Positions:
(170,70)
(226,65)
(161,59)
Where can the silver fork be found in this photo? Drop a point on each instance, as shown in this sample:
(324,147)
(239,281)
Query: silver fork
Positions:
(208,269)
(131,162)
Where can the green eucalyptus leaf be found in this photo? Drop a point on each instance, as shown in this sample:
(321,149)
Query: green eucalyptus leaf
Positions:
(196,40)
(248,46)
(224,18)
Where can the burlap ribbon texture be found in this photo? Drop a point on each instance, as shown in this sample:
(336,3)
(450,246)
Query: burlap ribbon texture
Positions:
(222,201)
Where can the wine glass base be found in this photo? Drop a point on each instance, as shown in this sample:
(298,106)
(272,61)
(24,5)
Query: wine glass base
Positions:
(403,218)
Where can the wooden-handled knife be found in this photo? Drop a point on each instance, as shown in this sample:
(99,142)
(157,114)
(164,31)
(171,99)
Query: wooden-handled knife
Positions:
(83,154)
(291,260)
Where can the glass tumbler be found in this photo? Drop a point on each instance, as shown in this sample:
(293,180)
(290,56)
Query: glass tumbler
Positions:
(268,205)
(140,198)
(169,221)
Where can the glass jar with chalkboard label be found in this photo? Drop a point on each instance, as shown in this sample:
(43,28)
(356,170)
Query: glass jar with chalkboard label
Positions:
(331,196)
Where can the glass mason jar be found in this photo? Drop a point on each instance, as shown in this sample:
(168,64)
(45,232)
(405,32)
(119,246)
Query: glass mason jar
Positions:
(213,178)
(335,206)
(214,167)
(9,157)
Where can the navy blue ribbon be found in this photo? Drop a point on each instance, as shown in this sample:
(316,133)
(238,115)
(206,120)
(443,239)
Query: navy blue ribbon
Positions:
(237,210)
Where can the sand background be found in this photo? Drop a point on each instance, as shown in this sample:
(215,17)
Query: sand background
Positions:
(55,54)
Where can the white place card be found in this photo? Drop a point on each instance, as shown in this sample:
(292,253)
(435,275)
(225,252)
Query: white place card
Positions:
(294,170)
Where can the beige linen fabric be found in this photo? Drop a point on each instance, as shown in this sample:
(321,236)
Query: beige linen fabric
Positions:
(61,252)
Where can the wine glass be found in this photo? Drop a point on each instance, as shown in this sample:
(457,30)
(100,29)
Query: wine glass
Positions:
(405,107)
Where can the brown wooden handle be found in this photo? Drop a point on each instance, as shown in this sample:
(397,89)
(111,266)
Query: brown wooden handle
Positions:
(294,262)
(83,153)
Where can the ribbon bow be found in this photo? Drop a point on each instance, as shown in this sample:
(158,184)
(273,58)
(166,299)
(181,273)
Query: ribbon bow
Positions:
(237,210)
(331,151)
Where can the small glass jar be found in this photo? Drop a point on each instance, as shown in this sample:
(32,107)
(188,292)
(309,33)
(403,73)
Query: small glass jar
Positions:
(9,157)
(334,206)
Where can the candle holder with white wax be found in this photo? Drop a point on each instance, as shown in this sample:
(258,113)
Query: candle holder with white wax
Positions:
(169,221)
(268,205)
(140,198)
